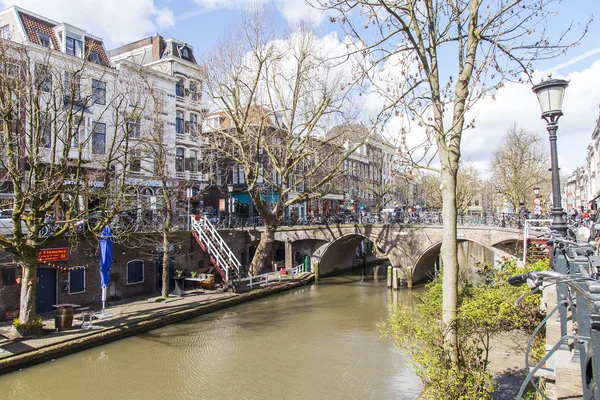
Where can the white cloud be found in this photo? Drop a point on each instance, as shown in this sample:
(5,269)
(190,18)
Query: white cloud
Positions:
(294,11)
(516,103)
(116,21)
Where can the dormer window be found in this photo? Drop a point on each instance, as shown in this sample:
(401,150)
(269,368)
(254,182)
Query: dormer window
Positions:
(44,39)
(94,57)
(215,122)
(185,53)
(74,47)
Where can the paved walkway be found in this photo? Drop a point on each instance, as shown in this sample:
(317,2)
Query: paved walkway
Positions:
(567,373)
(122,320)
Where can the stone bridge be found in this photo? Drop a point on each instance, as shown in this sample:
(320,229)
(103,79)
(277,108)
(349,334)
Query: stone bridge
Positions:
(406,246)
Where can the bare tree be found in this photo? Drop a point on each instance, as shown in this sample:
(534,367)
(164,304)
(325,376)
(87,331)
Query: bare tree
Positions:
(276,100)
(61,134)
(519,165)
(468,185)
(492,42)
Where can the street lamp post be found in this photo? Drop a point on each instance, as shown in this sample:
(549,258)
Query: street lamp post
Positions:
(550,94)
(229,204)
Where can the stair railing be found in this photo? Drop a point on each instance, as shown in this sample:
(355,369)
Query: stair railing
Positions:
(209,235)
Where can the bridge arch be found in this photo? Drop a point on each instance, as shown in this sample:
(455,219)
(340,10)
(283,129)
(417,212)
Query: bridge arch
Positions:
(469,250)
(340,253)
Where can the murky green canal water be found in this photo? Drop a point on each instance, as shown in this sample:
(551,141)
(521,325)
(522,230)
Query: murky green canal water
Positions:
(317,342)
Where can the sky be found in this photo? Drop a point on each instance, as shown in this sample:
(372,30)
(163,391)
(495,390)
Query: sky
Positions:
(200,23)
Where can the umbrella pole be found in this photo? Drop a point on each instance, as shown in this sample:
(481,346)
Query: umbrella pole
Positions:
(102,315)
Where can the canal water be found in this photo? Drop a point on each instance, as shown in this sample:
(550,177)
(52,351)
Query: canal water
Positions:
(315,342)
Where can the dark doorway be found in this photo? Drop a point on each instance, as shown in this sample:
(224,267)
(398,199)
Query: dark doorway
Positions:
(280,255)
(251,252)
(159,271)
(45,290)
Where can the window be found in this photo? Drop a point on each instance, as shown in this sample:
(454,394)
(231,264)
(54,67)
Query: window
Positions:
(76,280)
(259,179)
(134,128)
(276,177)
(5,32)
(193,91)
(179,91)
(235,175)
(43,77)
(44,39)
(193,161)
(135,272)
(179,122)
(98,92)
(214,122)
(186,54)
(99,138)
(94,57)
(74,47)
(45,132)
(135,161)
(72,87)
(9,276)
(193,124)
(78,129)
(179,159)
(161,102)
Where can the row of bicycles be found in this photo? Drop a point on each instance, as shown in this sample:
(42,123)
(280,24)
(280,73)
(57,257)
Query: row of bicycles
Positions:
(400,217)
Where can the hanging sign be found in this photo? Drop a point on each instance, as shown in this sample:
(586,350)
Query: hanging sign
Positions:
(57,254)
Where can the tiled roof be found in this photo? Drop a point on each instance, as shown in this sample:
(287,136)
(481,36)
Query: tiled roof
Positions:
(34,25)
(96,46)
(256,114)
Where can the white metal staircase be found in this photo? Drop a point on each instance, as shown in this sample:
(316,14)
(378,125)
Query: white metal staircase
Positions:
(219,253)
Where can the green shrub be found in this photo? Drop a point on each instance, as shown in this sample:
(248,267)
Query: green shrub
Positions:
(485,309)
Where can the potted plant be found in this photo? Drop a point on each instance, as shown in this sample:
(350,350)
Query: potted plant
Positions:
(34,327)
(11,312)
(178,273)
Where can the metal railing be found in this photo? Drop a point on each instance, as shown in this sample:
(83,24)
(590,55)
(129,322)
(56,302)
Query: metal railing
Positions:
(215,244)
(275,275)
(578,294)
(401,218)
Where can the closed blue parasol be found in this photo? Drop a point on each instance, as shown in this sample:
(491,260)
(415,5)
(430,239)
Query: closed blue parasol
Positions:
(105,261)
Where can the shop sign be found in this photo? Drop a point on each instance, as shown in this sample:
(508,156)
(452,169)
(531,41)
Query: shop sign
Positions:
(57,254)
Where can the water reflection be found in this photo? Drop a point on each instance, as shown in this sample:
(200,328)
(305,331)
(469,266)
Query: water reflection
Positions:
(317,342)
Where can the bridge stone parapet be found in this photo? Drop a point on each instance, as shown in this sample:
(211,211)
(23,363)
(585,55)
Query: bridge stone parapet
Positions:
(414,246)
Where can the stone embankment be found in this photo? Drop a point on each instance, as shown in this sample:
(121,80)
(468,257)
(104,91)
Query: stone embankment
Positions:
(122,320)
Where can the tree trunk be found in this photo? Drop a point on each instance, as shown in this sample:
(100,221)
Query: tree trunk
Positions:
(165,265)
(29,268)
(450,260)
(264,251)
(166,249)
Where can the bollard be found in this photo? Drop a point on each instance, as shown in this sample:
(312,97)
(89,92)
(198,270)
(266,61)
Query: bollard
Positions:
(395,278)
(409,282)
(389,276)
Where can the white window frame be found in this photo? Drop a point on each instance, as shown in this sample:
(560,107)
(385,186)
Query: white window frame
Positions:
(5,32)
(143,272)
(84,282)
(77,46)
